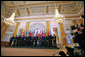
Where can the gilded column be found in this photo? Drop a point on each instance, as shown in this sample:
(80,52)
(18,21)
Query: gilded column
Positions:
(27,26)
(6,26)
(62,33)
(16,28)
(47,26)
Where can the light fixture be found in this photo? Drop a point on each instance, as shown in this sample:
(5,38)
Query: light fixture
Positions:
(58,18)
(10,21)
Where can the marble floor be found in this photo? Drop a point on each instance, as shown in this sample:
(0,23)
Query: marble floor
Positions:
(6,51)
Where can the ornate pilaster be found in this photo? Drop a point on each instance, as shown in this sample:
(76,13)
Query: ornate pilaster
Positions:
(16,28)
(47,26)
(27,26)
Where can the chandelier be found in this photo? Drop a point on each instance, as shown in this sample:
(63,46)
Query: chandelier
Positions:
(10,21)
(58,18)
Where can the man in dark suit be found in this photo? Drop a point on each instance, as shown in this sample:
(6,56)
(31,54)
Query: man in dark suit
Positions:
(75,37)
(40,41)
(32,40)
(15,41)
(36,38)
(46,40)
(11,40)
(22,41)
(50,41)
(25,40)
(19,39)
(43,40)
(29,40)
(81,37)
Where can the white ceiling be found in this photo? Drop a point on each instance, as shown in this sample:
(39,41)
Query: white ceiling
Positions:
(20,3)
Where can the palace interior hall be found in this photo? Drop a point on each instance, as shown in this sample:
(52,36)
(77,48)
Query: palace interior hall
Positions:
(42,28)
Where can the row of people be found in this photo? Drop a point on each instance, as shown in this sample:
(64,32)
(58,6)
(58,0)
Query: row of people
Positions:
(34,41)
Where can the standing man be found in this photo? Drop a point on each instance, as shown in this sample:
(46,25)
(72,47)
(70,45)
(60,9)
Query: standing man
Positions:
(44,40)
(19,40)
(32,40)
(35,40)
(29,39)
(25,40)
(39,36)
(47,43)
(15,40)
(50,41)
(11,40)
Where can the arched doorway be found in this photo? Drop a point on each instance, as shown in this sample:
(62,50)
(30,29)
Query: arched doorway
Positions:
(37,28)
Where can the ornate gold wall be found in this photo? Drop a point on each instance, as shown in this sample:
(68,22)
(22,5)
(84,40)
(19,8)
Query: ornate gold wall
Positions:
(47,26)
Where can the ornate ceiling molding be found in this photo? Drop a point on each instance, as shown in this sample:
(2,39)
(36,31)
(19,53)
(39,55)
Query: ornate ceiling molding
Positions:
(42,3)
(18,12)
(72,8)
(28,10)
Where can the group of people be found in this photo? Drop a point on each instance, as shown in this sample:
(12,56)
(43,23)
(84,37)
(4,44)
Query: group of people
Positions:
(78,35)
(41,41)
